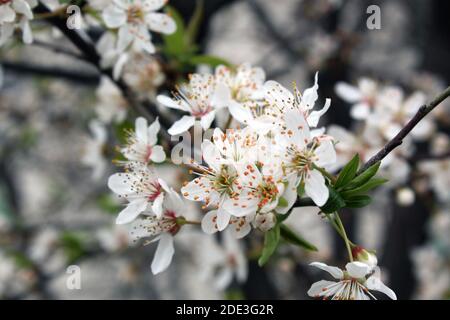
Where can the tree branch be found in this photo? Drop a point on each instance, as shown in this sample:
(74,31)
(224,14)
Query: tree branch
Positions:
(72,75)
(398,139)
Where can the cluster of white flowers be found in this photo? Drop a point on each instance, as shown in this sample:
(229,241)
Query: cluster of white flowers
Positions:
(251,175)
(16,14)
(128,23)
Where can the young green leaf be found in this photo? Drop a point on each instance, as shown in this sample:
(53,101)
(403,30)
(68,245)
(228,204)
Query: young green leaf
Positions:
(294,238)
(334,203)
(347,173)
(369,185)
(359,201)
(271,240)
(194,23)
(175,44)
(365,176)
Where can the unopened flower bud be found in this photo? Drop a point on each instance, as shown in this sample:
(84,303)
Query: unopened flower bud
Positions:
(362,255)
(265,221)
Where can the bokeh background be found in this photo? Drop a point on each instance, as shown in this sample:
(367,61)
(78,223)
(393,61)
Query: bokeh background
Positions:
(56,211)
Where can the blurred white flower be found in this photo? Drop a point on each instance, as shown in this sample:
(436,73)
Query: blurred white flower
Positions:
(94,150)
(362,97)
(199,98)
(133,19)
(141,188)
(13,14)
(405,196)
(240,90)
(221,263)
(110,106)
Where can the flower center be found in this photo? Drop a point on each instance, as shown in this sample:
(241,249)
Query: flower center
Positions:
(155,188)
(268,192)
(224,181)
(134,14)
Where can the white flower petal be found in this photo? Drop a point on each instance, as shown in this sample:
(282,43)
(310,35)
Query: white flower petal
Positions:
(315,188)
(297,128)
(164,253)
(120,184)
(239,231)
(357,269)
(325,153)
(319,287)
(374,283)
(310,95)
(211,155)
(348,92)
(360,111)
(158,154)
(209,222)
(334,271)
(141,130)
(196,190)
(276,94)
(207,119)
(314,116)
(124,38)
(182,125)
(240,112)
(160,22)
(223,219)
(132,210)
(157,206)
(22,7)
(7,14)
(154,5)
(152,132)
(27,35)
(114,17)
(170,103)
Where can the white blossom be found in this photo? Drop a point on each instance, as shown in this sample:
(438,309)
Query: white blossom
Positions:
(353,284)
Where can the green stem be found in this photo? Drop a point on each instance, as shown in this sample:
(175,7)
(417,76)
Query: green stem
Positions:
(343,234)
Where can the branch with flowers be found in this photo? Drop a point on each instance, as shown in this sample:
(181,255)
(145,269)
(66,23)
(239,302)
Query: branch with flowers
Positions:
(268,157)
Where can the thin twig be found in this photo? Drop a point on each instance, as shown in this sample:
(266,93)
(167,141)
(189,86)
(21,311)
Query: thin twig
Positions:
(398,139)
(57,49)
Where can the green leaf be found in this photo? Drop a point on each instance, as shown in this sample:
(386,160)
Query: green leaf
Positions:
(212,61)
(347,173)
(294,238)
(175,44)
(334,203)
(359,201)
(194,23)
(369,185)
(365,176)
(271,240)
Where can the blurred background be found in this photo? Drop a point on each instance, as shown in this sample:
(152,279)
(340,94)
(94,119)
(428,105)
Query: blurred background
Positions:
(56,210)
